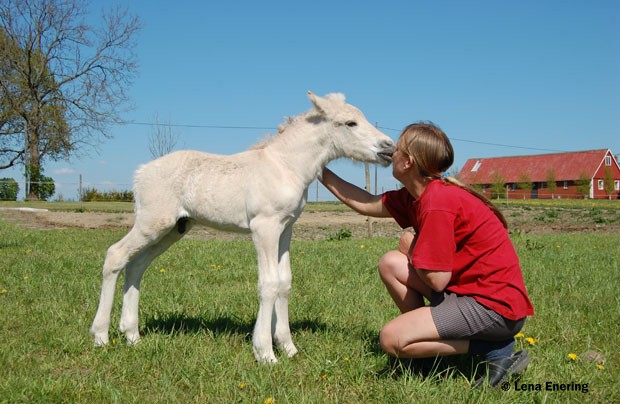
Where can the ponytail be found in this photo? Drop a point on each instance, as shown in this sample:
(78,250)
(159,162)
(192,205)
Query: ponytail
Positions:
(484,199)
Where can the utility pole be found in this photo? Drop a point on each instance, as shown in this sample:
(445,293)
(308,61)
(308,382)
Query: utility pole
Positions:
(368,219)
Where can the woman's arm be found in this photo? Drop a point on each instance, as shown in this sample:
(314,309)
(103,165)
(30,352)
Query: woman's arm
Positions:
(436,280)
(354,197)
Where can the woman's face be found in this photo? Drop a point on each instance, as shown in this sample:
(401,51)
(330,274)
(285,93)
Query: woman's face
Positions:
(401,164)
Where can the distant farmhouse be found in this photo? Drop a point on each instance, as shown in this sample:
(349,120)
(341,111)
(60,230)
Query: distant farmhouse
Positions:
(591,174)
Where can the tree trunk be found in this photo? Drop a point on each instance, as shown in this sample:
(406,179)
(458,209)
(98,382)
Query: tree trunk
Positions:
(34,161)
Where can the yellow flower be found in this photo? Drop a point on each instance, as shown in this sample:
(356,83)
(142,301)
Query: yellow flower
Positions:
(346,359)
(519,335)
(4,291)
(162,270)
(572,356)
(324,376)
(362,246)
(241,385)
(268,400)
(531,341)
(600,367)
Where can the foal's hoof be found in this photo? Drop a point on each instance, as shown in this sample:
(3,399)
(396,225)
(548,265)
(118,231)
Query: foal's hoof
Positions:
(132,338)
(290,350)
(266,357)
(101,339)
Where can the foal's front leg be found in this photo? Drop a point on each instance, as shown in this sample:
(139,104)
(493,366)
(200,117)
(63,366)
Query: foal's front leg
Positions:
(266,235)
(280,323)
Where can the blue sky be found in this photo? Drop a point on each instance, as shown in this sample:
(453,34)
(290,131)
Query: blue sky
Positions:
(540,75)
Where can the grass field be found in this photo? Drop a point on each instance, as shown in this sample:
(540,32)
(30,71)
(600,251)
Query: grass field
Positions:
(199,303)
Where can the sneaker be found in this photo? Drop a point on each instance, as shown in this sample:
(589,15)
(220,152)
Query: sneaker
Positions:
(501,370)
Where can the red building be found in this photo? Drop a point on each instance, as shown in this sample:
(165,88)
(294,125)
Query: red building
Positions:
(584,174)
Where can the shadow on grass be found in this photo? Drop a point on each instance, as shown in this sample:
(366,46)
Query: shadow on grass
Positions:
(431,369)
(172,323)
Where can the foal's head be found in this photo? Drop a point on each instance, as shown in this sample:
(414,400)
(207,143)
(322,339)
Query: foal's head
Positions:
(352,135)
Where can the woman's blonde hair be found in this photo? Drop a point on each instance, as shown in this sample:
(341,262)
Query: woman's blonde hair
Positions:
(431,151)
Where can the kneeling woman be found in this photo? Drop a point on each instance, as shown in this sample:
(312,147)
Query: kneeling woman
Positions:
(460,258)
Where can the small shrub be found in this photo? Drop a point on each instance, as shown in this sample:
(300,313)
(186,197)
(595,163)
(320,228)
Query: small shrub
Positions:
(342,234)
(8,189)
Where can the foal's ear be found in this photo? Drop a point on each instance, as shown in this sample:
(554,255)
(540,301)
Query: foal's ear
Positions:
(317,102)
(328,105)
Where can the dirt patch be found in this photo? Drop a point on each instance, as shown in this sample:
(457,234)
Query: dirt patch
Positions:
(320,225)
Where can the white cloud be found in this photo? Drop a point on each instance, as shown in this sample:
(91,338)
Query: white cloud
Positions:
(64,171)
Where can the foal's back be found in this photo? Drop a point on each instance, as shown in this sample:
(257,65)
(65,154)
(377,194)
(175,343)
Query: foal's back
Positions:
(220,191)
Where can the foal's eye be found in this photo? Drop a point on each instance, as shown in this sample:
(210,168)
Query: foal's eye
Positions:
(351,124)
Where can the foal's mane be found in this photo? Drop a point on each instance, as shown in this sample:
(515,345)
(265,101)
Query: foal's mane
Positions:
(289,122)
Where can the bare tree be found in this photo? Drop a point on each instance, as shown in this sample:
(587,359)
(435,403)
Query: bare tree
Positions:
(162,139)
(62,82)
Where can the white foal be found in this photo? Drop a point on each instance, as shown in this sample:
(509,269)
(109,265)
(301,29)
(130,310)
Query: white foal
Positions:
(262,190)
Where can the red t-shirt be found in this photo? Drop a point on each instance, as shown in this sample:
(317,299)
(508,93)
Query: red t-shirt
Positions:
(457,232)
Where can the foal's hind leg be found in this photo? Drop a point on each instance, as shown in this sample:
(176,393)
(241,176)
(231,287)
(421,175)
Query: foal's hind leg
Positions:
(118,257)
(130,250)
(133,275)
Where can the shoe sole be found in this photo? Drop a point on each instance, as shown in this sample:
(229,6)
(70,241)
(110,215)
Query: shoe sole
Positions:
(517,367)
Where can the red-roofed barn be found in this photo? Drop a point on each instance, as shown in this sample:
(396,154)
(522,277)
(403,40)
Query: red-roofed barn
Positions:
(583,174)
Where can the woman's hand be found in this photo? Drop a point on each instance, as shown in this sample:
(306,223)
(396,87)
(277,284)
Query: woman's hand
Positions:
(354,197)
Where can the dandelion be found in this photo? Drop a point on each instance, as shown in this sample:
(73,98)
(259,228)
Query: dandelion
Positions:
(600,367)
(531,341)
(241,385)
(519,335)
(324,376)
(3,292)
(269,400)
(572,356)
(346,359)
(162,270)
(362,246)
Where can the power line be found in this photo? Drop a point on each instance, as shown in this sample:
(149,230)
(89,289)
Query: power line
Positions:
(491,144)
(173,125)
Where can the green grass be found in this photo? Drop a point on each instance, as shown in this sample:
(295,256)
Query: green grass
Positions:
(124,207)
(199,303)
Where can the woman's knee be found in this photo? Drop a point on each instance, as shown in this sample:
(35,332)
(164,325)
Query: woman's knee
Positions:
(389,264)
(388,339)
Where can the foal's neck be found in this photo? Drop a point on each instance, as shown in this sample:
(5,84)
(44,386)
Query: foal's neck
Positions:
(305,147)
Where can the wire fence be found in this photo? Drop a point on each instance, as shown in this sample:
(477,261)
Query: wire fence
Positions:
(122,191)
(85,191)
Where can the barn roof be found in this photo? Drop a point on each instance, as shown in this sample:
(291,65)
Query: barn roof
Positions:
(566,167)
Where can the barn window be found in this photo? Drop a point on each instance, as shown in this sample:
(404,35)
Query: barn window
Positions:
(607,160)
(601,185)
(476,166)
(565,186)
(617,185)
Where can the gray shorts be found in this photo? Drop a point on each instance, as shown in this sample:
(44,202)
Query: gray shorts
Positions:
(462,317)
